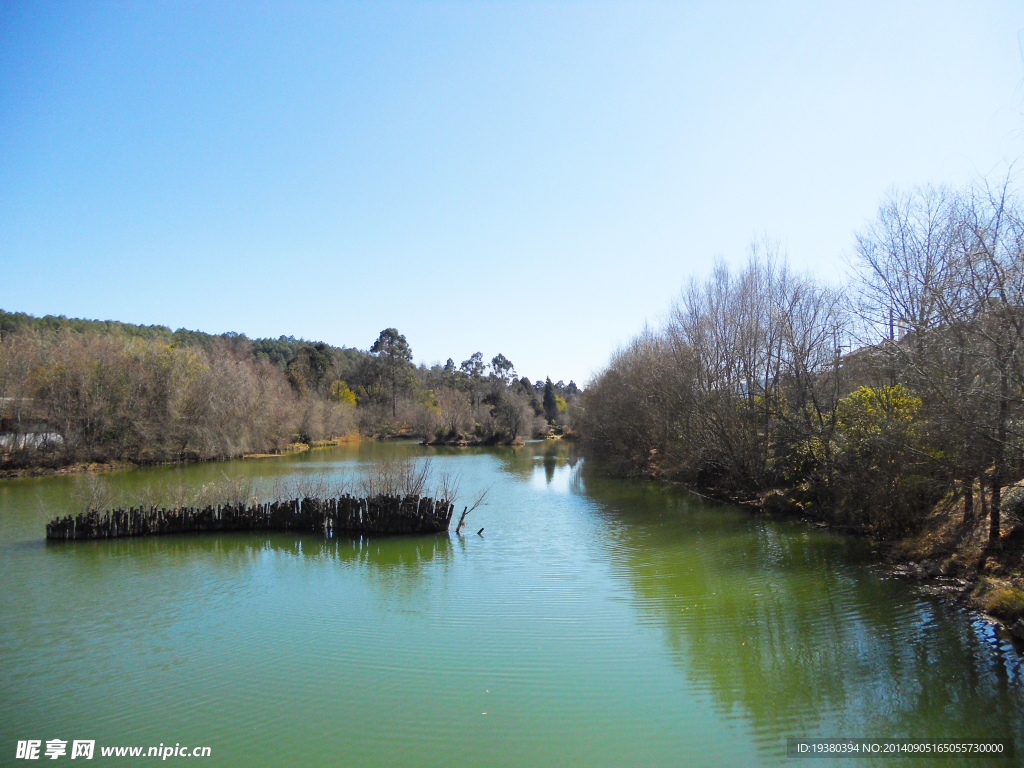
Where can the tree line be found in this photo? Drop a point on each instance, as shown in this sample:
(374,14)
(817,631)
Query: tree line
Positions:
(869,402)
(80,390)
(474,401)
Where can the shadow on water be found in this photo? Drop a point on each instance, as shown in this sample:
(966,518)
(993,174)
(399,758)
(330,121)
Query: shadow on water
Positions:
(789,628)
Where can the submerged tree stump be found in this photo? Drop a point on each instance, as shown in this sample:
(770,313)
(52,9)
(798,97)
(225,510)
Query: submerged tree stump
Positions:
(339,515)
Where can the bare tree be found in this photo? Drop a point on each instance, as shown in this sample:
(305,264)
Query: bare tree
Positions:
(940,282)
(455,410)
(513,412)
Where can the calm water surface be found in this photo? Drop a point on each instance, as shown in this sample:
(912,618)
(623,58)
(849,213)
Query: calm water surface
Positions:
(596,622)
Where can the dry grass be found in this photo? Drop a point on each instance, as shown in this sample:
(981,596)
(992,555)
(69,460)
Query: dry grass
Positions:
(947,538)
(98,493)
(949,545)
(1003,600)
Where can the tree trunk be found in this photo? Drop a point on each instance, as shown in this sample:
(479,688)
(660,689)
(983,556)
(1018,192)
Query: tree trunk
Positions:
(999,472)
(984,499)
(968,485)
(994,510)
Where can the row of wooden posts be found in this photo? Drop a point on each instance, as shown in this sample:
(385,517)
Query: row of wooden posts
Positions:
(340,515)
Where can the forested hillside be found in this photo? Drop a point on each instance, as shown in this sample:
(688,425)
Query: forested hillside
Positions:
(84,390)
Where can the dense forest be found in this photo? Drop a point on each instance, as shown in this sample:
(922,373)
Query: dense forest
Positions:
(82,391)
(891,404)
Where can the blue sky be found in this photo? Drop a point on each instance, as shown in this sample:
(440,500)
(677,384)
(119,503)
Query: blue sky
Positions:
(536,179)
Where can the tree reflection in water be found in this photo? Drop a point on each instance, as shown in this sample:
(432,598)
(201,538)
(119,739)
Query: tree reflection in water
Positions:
(791,629)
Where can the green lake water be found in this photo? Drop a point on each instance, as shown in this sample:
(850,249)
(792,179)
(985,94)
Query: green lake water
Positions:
(595,622)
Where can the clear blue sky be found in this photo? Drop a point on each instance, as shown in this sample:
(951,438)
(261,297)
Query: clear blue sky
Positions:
(536,179)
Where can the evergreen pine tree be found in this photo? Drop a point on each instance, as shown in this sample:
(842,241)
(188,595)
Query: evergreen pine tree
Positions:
(550,404)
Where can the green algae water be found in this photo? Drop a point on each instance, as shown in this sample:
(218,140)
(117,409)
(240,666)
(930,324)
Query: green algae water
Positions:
(595,622)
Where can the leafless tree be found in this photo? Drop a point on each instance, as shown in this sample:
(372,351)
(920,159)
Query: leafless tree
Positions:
(938,285)
(513,412)
(455,410)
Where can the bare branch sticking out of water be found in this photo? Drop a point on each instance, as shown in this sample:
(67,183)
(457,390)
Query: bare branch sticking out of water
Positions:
(478,501)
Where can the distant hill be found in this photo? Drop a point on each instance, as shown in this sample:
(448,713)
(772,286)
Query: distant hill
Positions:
(279,351)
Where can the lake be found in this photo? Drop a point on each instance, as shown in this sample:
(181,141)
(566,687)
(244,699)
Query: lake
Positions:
(595,622)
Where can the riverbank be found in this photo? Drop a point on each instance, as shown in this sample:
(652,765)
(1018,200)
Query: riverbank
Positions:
(464,441)
(68,469)
(952,551)
(106,466)
(310,446)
